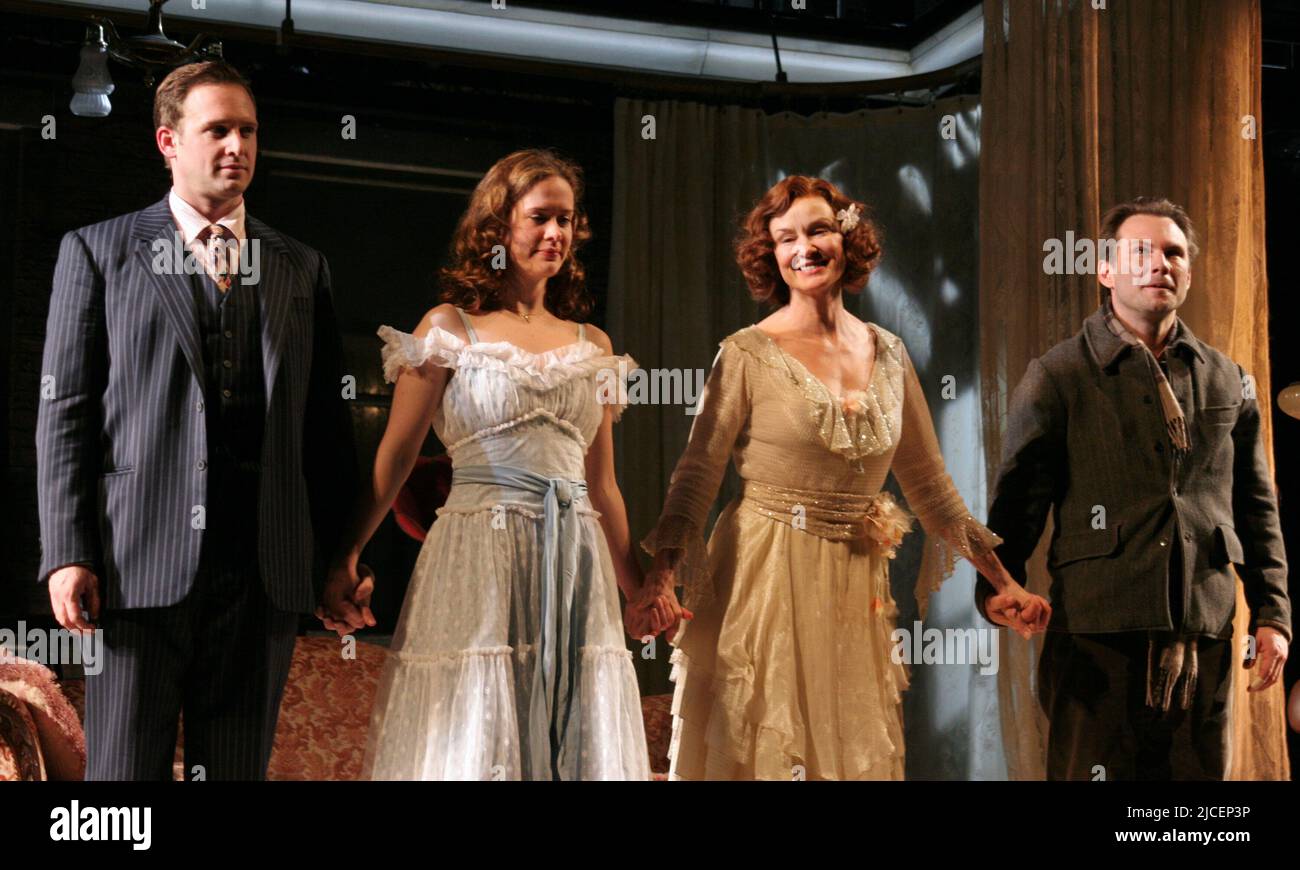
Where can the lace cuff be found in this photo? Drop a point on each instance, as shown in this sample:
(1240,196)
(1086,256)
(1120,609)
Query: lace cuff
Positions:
(693,568)
(966,537)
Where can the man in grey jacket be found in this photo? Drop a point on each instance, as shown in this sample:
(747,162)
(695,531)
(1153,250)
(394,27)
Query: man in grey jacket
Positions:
(1145,444)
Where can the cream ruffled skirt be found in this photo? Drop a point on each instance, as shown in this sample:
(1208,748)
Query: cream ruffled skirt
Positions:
(786,672)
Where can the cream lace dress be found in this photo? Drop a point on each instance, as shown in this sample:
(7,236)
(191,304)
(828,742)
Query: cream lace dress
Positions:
(508,661)
(786,672)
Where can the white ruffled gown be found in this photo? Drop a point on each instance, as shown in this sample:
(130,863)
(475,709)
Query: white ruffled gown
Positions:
(509,659)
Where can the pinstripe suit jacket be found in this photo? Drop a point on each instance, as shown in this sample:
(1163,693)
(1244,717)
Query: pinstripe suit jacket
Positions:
(121,440)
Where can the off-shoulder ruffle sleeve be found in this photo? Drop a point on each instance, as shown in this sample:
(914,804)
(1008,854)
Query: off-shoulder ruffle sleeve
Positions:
(612,387)
(535,371)
(918,464)
(403,350)
(722,414)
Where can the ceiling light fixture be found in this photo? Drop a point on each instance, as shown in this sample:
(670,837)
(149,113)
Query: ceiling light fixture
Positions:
(152,53)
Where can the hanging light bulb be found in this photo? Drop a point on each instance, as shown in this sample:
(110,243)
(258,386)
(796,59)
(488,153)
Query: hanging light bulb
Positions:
(1289,400)
(92,84)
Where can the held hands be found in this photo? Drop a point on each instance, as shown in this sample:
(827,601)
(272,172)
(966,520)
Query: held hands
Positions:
(1016,608)
(1270,655)
(70,588)
(345,604)
(1010,604)
(654,607)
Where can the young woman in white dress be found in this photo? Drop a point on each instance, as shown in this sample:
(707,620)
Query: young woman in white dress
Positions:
(508,661)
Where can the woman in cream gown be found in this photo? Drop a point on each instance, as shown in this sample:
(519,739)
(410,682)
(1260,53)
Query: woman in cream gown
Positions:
(786,671)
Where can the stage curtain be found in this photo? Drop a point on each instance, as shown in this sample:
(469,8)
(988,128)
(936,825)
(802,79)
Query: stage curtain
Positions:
(1085,107)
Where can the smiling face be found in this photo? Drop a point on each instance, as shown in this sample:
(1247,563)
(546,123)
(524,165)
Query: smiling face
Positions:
(213,150)
(1158,273)
(808,246)
(541,230)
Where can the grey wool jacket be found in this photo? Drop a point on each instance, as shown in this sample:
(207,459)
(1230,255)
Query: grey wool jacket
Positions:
(1085,439)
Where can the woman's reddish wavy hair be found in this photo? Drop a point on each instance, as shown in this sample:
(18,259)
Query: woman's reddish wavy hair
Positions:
(469,281)
(755,247)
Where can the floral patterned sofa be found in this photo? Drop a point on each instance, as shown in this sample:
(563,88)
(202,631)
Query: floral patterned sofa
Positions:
(321,733)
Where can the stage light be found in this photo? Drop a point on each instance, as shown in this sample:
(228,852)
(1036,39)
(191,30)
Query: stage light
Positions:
(1289,400)
(153,53)
(92,84)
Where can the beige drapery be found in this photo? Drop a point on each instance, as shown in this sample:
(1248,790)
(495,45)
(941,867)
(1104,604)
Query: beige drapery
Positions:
(1083,108)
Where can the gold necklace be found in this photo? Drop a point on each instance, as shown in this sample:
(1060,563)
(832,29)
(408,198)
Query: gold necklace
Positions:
(527,318)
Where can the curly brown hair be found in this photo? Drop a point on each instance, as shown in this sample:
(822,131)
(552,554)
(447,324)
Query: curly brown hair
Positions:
(755,247)
(469,281)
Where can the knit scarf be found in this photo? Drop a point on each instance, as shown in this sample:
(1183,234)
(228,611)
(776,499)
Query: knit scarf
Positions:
(1174,420)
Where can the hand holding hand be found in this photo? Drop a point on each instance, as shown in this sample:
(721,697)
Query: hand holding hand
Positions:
(637,621)
(1016,608)
(345,604)
(656,603)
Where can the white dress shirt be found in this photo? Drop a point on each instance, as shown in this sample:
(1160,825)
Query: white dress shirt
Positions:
(191,223)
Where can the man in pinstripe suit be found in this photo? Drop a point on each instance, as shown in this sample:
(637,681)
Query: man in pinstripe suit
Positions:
(195,454)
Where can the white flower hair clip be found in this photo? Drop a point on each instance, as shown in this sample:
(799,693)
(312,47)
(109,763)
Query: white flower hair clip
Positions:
(848,217)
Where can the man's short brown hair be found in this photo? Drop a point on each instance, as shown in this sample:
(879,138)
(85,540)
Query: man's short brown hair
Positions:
(169,99)
(1156,206)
